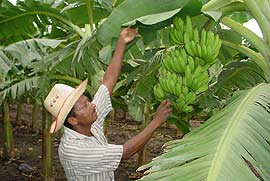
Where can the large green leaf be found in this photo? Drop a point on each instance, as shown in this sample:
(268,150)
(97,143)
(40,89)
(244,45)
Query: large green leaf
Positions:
(15,89)
(226,147)
(77,12)
(24,52)
(254,39)
(218,8)
(257,58)
(227,54)
(130,10)
(238,75)
(17,57)
(260,11)
(5,66)
(153,18)
(28,18)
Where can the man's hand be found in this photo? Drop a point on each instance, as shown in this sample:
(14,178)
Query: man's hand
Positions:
(128,34)
(112,73)
(163,111)
(136,143)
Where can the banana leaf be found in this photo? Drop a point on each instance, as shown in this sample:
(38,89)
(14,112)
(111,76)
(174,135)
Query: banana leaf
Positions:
(30,18)
(130,10)
(231,145)
(238,75)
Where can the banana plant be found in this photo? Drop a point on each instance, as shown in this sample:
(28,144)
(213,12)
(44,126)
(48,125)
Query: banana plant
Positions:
(257,53)
(223,148)
(38,19)
(227,147)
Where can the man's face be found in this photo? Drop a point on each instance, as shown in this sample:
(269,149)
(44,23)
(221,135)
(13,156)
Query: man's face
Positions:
(85,111)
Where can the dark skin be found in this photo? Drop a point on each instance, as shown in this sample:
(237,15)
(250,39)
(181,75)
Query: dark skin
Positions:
(86,113)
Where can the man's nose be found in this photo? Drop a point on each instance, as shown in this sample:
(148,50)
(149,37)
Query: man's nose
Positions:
(92,105)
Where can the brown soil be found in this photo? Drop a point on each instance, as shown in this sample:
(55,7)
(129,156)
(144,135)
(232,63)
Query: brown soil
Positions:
(29,147)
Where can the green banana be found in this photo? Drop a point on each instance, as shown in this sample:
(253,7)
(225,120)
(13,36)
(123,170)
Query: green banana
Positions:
(162,83)
(165,63)
(194,48)
(179,64)
(174,77)
(178,23)
(180,103)
(204,51)
(168,64)
(171,86)
(197,71)
(203,37)
(178,89)
(173,38)
(186,38)
(199,50)
(187,108)
(191,63)
(208,57)
(190,98)
(199,61)
(188,75)
(184,90)
(194,84)
(189,50)
(175,61)
(202,89)
(203,79)
(196,35)
(210,38)
(188,26)
(158,92)
(178,35)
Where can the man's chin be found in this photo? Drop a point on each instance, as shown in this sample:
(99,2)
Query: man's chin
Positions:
(93,119)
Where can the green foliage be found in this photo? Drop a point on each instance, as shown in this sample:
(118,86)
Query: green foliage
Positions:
(238,75)
(17,62)
(130,10)
(221,148)
(31,19)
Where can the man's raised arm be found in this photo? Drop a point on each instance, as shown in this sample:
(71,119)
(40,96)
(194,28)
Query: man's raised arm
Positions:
(112,73)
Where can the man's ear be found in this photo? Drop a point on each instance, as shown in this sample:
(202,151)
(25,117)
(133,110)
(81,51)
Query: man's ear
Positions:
(72,120)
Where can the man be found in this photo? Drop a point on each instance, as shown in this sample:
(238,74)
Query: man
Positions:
(84,152)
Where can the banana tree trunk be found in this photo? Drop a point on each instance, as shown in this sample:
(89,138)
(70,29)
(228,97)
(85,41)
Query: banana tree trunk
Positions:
(60,133)
(19,113)
(34,117)
(2,116)
(8,136)
(47,156)
(142,158)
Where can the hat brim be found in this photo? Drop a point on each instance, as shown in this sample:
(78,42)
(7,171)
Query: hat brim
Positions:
(67,106)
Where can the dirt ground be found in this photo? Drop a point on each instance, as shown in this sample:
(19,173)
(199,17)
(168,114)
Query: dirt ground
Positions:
(29,147)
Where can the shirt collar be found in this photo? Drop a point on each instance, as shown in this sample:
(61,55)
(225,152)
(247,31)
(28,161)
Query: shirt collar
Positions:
(73,134)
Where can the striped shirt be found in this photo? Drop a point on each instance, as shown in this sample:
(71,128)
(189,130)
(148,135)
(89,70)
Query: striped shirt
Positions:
(91,158)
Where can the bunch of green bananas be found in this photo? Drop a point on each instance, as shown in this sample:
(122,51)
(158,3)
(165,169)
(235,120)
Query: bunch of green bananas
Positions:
(178,30)
(180,80)
(204,45)
(206,48)
(184,71)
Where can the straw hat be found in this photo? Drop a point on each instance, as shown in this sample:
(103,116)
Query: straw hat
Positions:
(60,101)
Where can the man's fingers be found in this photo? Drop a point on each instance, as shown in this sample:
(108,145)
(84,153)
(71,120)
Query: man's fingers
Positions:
(164,102)
(135,31)
(168,104)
